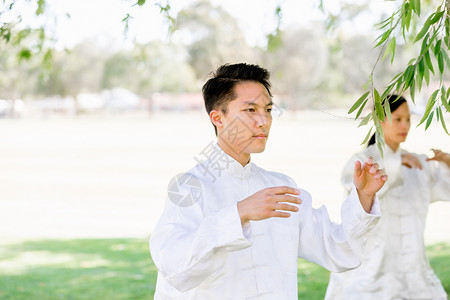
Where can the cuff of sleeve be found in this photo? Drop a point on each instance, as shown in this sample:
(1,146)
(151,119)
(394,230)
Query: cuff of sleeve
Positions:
(375,209)
(356,222)
(236,235)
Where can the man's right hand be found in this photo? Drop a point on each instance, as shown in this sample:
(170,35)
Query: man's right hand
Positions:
(267,203)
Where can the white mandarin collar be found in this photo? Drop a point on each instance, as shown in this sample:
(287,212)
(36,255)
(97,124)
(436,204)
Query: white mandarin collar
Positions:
(231,166)
(389,153)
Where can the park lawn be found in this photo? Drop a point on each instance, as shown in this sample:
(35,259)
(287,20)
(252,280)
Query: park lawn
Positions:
(122,269)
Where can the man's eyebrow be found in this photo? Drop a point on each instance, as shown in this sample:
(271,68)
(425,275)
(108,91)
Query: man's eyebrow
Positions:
(256,104)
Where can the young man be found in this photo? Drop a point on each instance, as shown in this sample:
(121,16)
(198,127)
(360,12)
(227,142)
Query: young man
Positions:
(232,230)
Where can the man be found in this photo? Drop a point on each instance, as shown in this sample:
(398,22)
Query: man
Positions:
(232,230)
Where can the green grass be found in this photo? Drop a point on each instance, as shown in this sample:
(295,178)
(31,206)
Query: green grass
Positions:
(122,269)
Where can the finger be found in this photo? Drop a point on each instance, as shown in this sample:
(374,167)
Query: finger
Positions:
(369,160)
(368,164)
(286,207)
(374,168)
(280,214)
(384,177)
(357,171)
(378,174)
(280,190)
(287,198)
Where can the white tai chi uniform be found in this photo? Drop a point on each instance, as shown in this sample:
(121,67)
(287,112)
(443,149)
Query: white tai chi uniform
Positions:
(202,251)
(394,265)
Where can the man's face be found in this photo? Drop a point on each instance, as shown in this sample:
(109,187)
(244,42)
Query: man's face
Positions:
(245,127)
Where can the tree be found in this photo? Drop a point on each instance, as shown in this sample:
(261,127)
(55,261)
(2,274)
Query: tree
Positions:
(412,23)
(434,40)
(300,65)
(215,37)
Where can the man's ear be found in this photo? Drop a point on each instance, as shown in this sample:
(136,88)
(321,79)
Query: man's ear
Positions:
(216,117)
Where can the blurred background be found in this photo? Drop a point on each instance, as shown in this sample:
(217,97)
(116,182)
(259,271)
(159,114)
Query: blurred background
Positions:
(97,117)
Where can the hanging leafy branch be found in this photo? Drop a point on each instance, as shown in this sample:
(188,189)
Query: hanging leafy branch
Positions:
(435,44)
(30,40)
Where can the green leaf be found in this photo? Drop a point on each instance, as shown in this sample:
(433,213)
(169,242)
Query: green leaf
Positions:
(385,22)
(430,118)
(390,49)
(430,104)
(417,7)
(361,109)
(444,99)
(141,2)
(437,48)
(41,7)
(409,75)
(405,13)
(421,67)
(412,90)
(387,91)
(368,82)
(368,135)
(366,120)
(427,75)
(424,44)
(396,77)
(384,36)
(446,59)
(378,106)
(413,5)
(358,102)
(428,61)
(408,19)
(442,120)
(387,110)
(380,142)
(24,54)
(419,79)
(437,17)
(441,62)
(422,32)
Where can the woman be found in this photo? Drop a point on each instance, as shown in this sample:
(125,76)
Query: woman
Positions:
(395,265)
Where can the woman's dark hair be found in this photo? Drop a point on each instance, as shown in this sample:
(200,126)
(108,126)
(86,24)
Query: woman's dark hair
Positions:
(219,90)
(394,102)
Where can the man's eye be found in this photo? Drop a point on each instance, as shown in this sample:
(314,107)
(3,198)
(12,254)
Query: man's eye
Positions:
(269,110)
(251,109)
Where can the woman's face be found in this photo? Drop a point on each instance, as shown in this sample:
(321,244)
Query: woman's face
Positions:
(397,131)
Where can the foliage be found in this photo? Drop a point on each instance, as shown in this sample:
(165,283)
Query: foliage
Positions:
(213,37)
(434,36)
(123,269)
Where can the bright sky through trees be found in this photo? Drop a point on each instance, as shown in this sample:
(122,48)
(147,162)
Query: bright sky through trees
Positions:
(71,21)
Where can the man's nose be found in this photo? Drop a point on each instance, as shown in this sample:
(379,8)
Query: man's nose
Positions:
(262,120)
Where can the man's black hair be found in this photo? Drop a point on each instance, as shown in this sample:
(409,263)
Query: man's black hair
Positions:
(219,90)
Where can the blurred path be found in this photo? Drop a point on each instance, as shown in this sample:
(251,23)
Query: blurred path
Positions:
(107,176)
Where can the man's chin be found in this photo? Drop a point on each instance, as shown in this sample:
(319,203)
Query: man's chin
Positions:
(257,148)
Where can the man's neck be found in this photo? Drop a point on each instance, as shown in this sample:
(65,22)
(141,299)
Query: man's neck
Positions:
(242,158)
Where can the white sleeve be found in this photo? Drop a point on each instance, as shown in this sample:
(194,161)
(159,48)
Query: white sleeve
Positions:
(336,247)
(439,174)
(187,246)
